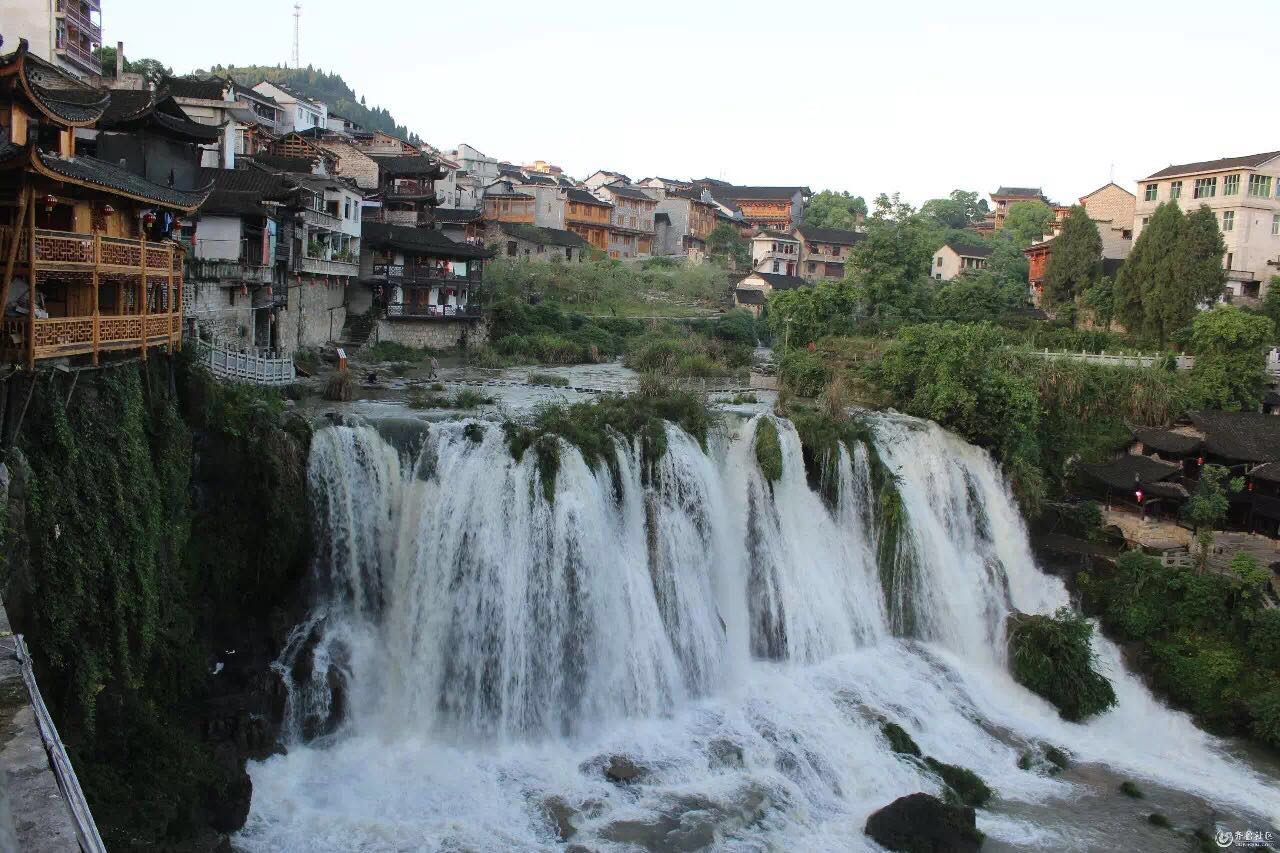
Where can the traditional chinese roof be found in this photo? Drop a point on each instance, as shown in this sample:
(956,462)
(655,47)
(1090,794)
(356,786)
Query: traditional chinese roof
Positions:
(1269,472)
(749,296)
(781,281)
(417,241)
(837,236)
(101,175)
(627,191)
(454,215)
(283,163)
(546,236)
(1018,192)
(773,234)
(154,111)
(198,88)
(398,165)
(59,96)
(229,203)
(264,184)
(1240,436)
(1131,469)
(1168,441)
(969,251)
(1247,161)
(738,193)
(584,197)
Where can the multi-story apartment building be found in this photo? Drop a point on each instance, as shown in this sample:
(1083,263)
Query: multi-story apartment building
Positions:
(588,217)
(775,252)
(300,113)
(631,224)
(1244,194)
(683,222)
(64,33)
(824,251)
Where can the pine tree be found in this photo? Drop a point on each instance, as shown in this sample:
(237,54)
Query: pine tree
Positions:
(1076,258)
(1198,276)
(1148,274)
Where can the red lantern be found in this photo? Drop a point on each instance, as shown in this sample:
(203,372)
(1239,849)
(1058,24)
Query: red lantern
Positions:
(1251,485)
(1199,460)
(149,218)
(1138,495)
(244,289)
(49,202)
(108,210)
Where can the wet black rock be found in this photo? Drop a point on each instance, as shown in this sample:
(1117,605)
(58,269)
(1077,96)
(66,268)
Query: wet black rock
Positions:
(622,770)
(561,815)
(920,823)
(724,753)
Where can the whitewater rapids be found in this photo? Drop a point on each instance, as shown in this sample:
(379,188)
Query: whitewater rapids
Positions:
(731,637)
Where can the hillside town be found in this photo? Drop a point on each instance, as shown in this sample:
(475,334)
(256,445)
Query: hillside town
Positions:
(1115,356)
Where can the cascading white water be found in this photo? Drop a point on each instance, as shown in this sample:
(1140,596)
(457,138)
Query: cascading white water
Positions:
(490,649)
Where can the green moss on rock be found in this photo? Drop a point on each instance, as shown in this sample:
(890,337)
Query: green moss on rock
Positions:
(768,450)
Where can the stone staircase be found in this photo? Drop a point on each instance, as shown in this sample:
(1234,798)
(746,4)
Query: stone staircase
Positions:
(356,331)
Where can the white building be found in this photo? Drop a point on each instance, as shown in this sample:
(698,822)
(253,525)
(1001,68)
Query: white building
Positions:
(953,259)
(300,113)
(64,33)
(775,252)
(1244,195)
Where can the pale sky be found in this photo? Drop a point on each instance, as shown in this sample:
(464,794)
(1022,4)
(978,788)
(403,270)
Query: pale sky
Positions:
(916,96)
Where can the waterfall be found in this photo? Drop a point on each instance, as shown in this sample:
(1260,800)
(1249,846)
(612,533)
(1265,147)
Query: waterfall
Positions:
(482,650)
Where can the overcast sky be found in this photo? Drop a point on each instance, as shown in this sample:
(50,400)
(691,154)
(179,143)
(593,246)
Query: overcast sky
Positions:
(916,96)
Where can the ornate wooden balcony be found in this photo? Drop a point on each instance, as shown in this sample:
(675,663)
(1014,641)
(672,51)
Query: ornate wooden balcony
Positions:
(405,274)
(85,263)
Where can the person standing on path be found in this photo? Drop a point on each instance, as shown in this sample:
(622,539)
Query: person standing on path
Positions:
(435,366)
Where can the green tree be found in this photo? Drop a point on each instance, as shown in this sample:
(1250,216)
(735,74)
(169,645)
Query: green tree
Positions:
(1230,346)
(1207,508)
(831,209)
(728,248)
(1100,299)
(1141,278)
(975,297)
(152,69)
(1028,221)
(1196,275)
(1076,258)
(1271,302)
(890,268)
(959,210)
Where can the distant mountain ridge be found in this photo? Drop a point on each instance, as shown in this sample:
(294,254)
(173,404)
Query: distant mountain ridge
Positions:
(321,86)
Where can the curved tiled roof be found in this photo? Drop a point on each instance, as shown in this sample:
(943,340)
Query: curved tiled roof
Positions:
(1168,441)
(583,197)
(55,93)
(417,241)
(1124,472)
(395,164)
(1240,436)
(100,174)
(546,236)
(155,111)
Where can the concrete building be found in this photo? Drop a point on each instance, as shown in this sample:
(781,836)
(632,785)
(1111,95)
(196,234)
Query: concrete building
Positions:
(1244,195)
(683,221)
(775,252)
(600,177)
(824,251)
(64,33)
(953,260)
(249,120)
(300,112)
(1111,208)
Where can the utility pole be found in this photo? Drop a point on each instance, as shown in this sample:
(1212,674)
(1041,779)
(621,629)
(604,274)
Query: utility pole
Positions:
(297,22)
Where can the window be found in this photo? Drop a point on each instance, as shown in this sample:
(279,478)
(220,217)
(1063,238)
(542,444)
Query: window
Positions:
(1205,188)
(540,248)
(511,248)
(346,208)
(1152,191)
(568,254)
(1175,189)
(1275,225)
(777,266)
(1146,220)
(1228,220)
(1230,259)
(1231,185)
(1260,185)
(938,276)
(937,262)
(813,267)
(1127,234)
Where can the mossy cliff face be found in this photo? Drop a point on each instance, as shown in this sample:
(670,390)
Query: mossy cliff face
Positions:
(157,528)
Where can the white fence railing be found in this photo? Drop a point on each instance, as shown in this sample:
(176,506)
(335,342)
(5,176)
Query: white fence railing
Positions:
(1184,362)
(254,367)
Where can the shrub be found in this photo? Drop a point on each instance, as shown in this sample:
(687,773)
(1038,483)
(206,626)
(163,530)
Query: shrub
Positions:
(899,741)
(768,449)
(804,373)
(1157,819)
(393,351)
(339,387)
(1051,656)
(547,379)
(1131,790)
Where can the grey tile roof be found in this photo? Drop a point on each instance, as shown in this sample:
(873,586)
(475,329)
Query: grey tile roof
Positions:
(584,197)
(1129,469)
(1018,192)
(836,236)
(57,92)
(394,164)
(1247,161)
(627,191)
(780,281)
(197,88)
(969,251)
(547,236)
(1240,436)
(110,177)
(417,241)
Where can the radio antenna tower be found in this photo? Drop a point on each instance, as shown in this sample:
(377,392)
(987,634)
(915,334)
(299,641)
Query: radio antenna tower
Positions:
(297,21)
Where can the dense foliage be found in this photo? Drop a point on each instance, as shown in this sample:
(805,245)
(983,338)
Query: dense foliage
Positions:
(1175,267)
(831,209)
(768,450)
(126,577)
(1052,656)
(725,246)
(656,287)
(1076,259)
(1208,641)
(1230,346)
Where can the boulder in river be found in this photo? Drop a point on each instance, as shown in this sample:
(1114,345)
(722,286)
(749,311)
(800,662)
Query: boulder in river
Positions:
(920,823)
(622,770)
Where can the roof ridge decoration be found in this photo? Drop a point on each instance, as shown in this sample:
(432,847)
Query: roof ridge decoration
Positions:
(53,92)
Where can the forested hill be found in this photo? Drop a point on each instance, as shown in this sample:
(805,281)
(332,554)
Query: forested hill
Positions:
(321,86)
